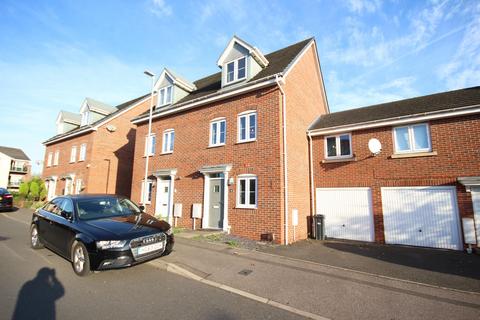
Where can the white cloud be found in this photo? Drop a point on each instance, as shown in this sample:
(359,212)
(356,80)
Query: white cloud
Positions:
(160,8)
(360,6)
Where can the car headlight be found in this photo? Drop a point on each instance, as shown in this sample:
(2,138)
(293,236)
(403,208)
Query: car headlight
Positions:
(110,244)
(169,232)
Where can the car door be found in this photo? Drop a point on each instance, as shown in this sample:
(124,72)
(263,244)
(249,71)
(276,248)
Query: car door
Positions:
(62,228)
(46,221)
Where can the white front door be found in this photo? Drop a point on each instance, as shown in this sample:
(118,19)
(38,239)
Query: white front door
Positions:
(162,206)
(476,210)
(51,189)
(421,216)
(348,213)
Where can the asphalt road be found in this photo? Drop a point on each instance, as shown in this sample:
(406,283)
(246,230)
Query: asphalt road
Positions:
(141,292)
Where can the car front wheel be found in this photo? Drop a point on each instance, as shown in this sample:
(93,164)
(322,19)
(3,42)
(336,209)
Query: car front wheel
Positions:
(80,259)
(35,242)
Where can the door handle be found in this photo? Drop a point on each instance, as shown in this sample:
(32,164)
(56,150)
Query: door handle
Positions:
(216,207)
(50,221)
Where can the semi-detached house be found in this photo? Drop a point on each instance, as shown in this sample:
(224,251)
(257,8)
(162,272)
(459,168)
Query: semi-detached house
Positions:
(230,149)
(93,149)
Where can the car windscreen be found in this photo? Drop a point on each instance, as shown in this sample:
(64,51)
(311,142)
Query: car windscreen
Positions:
(3,191)
(104,207)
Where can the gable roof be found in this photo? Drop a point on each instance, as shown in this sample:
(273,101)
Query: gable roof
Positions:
(14,153)
(70,117)
(177,80)
(87,128)
(211,85)
(96,105)
(419,106)
(254,51)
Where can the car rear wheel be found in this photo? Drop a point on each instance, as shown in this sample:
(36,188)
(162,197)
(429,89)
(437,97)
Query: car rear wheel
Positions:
(80,259)
(35,242)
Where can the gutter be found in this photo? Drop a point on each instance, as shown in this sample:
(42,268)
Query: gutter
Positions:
(270,80)
(285,158)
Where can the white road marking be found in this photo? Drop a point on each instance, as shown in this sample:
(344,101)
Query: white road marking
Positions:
(170,267)
(12,252)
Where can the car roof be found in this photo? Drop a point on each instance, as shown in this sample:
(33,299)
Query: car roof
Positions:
(91,196)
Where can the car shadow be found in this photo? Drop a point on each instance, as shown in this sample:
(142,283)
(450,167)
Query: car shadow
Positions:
(37,297)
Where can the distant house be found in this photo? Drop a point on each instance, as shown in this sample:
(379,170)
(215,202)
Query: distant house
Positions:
(14,167)
(404,172)
(93,149)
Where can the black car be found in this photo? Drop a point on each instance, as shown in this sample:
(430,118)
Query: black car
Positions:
(6,199)
(98,232)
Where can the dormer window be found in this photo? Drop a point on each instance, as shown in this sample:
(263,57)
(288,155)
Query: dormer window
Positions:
(85,118)
(237,70)
(165,96)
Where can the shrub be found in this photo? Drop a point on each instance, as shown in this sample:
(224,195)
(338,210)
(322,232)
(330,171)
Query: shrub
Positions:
(23,189)
(34,191)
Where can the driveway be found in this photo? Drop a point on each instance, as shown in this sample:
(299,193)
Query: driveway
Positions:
(443,268)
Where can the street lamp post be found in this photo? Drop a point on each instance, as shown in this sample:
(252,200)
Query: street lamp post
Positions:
(147,156)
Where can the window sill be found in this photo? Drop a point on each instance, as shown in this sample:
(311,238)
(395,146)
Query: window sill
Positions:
(246,141)
(216,145)
(413,155)
(81,160)
(243,207)
(335,160)
(165,153)
(150,155)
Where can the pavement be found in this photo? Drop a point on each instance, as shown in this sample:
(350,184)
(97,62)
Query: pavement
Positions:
(273,285)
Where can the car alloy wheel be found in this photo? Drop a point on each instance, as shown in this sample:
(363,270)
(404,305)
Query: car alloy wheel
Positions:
(35,242)
(80,259)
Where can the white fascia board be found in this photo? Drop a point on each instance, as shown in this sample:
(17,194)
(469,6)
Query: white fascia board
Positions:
(70,135)
(449,113)
(298,58)
(255,52)
(203,101)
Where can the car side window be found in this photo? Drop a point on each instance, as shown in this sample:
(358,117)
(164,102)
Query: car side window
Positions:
(67,206)
(56,207)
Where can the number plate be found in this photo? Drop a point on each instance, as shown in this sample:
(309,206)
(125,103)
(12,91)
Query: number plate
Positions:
(150,248)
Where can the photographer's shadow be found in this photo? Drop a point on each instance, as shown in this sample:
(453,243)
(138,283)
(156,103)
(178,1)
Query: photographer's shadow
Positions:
(37,297)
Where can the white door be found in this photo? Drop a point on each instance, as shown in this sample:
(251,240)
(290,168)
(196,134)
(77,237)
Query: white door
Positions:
(348,213)
(163,198)
(421,216)
(476,211)
(51,189)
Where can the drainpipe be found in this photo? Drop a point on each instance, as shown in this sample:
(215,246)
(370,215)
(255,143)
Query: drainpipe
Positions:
(285,162)
(310,159)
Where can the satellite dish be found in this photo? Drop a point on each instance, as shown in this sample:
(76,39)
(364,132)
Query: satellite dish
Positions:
(374,146)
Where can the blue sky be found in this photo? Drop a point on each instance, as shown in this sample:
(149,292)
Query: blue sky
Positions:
(53,54)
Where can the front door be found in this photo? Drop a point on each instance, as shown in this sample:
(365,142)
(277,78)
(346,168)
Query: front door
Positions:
(163,199)
(215,210)
(476,210)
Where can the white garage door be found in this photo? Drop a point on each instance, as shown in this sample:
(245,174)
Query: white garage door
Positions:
(421,216)
(476,210)
(348,212)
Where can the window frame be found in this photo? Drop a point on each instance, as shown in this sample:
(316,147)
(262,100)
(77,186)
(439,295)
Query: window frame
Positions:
(152,137)
(142,192)
(49,159)
(235,70)
(411,139)
(162,96)
(167,141)
(82,155)
(246,114)
(218,122)
(56,158)
(85,118)
(338,146)
(78,186)
(247,178)
(73,154)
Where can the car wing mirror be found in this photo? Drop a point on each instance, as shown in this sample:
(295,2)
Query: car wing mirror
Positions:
(142,208)
(67,215)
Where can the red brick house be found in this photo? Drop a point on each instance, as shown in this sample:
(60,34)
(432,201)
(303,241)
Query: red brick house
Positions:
(231,148)
(93,150)
(405,172)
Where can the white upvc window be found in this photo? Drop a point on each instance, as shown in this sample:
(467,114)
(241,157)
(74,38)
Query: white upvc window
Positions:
(150,143)
(165,96)
(218,128)
(146,197)
(78,186)
(85,118)
(338,146)
(49,159)
(73,154)
(247,126)
(412,138)
(247,191)
(83,152)
(236,70)
(168,141)
(56,158)
(68,187)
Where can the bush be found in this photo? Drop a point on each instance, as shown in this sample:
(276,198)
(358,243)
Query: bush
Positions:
(24,189)
(34,191)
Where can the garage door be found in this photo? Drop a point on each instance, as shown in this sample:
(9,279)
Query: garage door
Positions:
(348,212)
(476,210)
(421,216)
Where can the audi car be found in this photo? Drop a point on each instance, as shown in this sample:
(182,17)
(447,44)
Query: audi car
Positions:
(6,200)
(99,232)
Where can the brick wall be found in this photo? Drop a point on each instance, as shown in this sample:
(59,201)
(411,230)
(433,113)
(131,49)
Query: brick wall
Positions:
(191,152)
(305,102)
(458,154)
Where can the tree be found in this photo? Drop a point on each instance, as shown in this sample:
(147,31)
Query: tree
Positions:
(34,190)
(24,189)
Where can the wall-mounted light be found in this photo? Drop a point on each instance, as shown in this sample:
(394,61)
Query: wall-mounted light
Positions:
(231,181)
